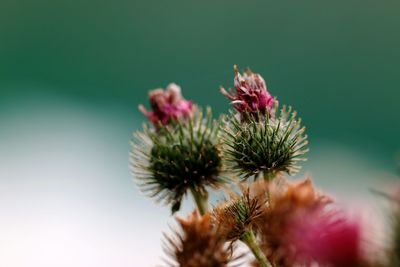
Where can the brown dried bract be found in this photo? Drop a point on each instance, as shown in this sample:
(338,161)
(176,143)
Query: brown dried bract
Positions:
(199,244)
(286,202)
(238,215)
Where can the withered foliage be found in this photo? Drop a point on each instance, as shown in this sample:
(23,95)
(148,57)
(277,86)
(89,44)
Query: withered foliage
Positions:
(199,243)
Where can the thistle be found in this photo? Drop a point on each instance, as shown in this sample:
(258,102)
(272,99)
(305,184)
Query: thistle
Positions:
(237,220)
(297,230)
(198,244)
(180,157)
(182,151)
(261,140)
(329,239)
(286,200)
(238,215)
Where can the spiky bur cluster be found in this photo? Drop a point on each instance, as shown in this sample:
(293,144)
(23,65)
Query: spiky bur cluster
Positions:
(265,146)
(170,160)
(175,160)
(199,243)
(261,139)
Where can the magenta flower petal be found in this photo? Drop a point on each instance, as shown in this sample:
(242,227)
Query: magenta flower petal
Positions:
(329,239)
(167,105)
(250,95)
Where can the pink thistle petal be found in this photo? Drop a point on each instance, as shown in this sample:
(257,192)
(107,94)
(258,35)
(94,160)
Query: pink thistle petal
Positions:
(328,239)
(143,110)
(225,93)
(251,95)
(167,105)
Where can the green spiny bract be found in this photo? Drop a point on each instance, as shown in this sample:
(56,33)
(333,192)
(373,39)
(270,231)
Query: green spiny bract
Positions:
(264,144)
(176,158)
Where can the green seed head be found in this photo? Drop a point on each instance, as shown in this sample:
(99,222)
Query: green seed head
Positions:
(265,145)
(176,158)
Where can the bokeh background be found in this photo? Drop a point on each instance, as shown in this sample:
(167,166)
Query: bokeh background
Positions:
(73,72)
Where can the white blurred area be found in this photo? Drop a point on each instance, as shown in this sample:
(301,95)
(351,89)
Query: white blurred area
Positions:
(66,196)
(67,199)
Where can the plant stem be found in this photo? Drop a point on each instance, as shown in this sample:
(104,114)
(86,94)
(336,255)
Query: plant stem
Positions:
(269,176)
(250,240)
(201,201)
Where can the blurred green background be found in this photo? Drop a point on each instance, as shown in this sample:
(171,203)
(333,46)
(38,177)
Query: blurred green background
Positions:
(73,72)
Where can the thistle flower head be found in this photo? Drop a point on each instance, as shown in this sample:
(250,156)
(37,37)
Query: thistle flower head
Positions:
(251,95)
(265,146)
(295,196)
(329,239)
(198,244)
(296,228)
(170,161)
(167,105)
(238,216)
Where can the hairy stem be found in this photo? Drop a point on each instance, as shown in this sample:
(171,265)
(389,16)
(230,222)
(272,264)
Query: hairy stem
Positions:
(250,240)
(200,200)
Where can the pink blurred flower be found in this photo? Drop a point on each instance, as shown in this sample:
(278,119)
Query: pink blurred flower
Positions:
(251,94)
(167,105)
(329,239)
(301,227)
